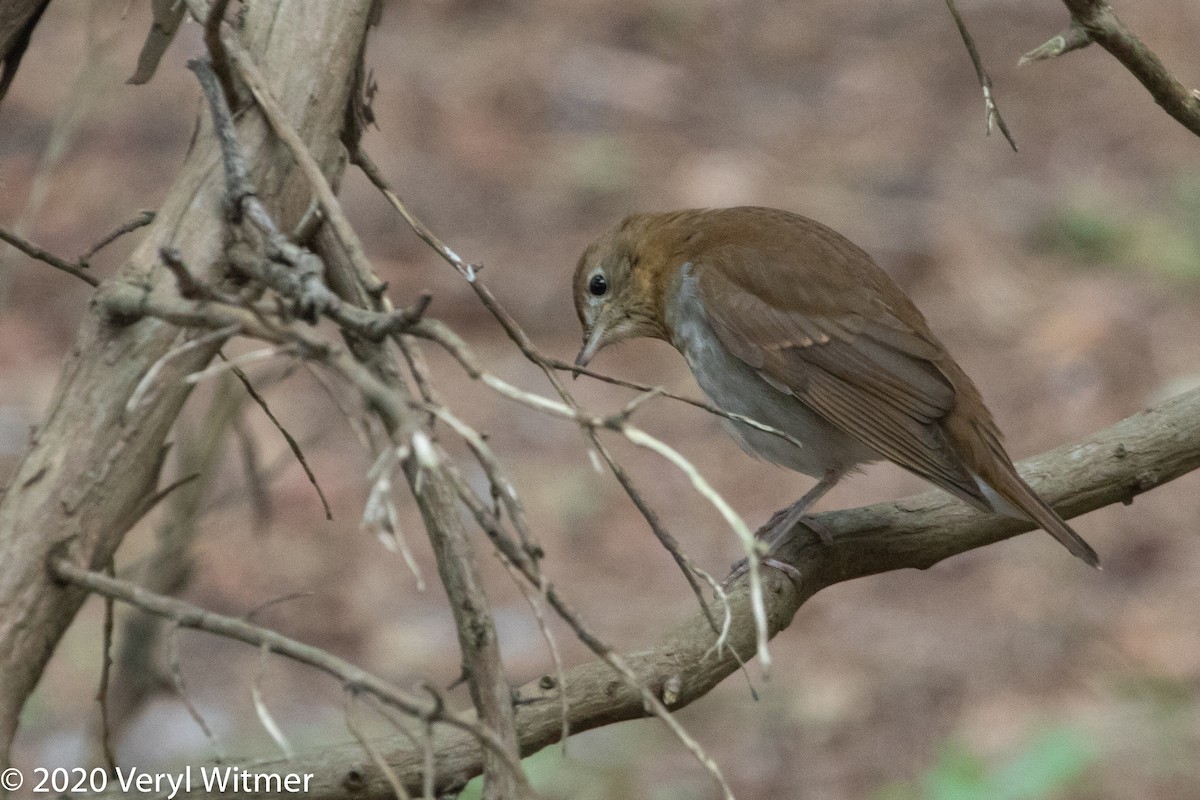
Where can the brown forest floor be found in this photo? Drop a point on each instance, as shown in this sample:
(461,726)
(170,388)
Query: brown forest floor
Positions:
(1066,278)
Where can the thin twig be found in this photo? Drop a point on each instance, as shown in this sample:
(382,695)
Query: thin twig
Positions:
(151,377)
(89,87)
(735,522)
(260,707)
(227,364)
(372,751)
(292,444)
(216,47)
(186,615)
(275,601)
(45,256)
(106,662)
(364,162)
(564,366)
(379,512)
(176,667)
(691,572)
(991,111)
(492,467)
(560,677)
(143,219)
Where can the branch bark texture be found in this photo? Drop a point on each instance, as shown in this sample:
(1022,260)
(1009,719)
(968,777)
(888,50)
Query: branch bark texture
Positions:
(94,462)
(1113,465)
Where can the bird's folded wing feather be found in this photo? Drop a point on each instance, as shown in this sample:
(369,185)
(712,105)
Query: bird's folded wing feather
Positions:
(874,377)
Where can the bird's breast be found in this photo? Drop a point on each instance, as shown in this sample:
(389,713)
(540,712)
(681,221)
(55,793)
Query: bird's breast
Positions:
(735,386)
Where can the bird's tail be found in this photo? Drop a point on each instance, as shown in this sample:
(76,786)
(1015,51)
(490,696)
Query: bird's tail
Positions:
(1010,494)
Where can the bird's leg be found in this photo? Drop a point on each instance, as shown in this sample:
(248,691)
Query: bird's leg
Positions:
(784,520)
(781,523)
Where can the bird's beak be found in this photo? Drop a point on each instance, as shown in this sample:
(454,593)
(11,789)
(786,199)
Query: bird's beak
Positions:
(594,340)
(590,347)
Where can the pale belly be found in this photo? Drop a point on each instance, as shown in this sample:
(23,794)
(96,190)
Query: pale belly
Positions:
(733,385)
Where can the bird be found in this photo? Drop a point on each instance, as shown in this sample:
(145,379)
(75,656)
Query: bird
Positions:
(786,322)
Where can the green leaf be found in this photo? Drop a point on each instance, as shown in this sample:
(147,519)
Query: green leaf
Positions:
(1052,761)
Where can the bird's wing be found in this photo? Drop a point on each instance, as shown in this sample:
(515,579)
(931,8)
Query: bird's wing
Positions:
(873,376)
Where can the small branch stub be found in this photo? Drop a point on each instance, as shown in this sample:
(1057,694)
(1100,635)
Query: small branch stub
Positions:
(1073,38)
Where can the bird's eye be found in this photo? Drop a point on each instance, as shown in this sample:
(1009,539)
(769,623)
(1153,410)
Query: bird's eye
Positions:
(598,285)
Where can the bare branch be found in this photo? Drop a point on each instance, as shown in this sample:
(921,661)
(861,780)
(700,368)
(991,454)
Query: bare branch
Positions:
(79,267)
(142,219)
(260,707)
(1102,25)
(292,444)
(45,256)
(168,14)
(364,162)
(91,467)
(377,759)
(1111,466)
(185,697)
(186,615)
(299,278)
(991,111)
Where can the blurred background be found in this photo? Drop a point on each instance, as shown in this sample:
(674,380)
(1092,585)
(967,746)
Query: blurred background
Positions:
(1065,278)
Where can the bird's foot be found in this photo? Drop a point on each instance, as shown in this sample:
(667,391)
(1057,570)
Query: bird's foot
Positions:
(781,524)
(739,569)
(787,569)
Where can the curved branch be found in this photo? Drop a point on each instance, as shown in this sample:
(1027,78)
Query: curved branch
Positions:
(1113,465)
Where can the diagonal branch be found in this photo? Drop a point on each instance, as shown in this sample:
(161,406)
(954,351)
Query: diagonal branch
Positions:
(1113,465)
(991,112)
(33,251)
(435,495)
(91,465)
(1095,20)
(355,680)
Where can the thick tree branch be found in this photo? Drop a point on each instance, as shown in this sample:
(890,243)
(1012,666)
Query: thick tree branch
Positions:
(478,642)
(92,464)
(1113,465)
(435,495)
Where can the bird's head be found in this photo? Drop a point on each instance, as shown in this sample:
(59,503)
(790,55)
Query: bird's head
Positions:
(620,282)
